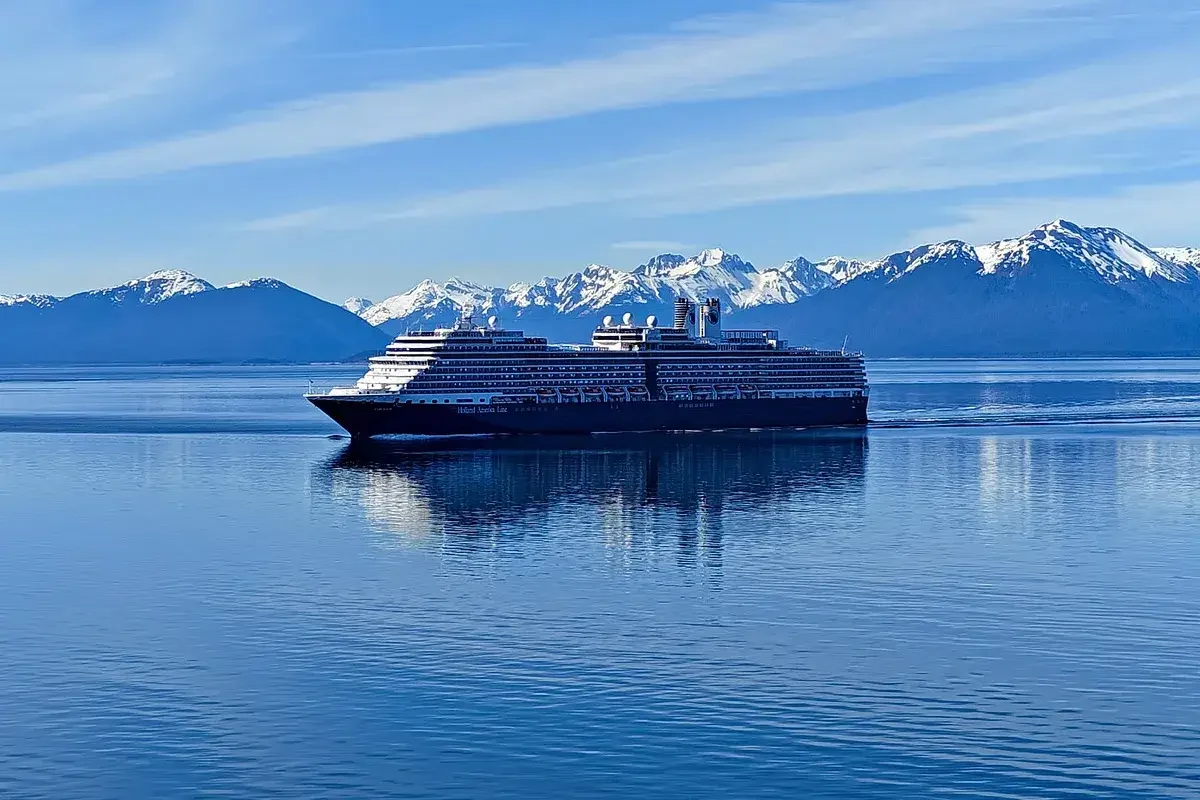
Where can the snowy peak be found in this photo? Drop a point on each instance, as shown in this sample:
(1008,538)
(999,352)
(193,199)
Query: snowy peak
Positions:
(661,264)
(900,264)
(155,288)
(710,273)
(838,271)
(841,270)
(1183,256)
(716,257)
(31,300)
(264,283)
(429,299)
(150,290)
(598,286)
(786,283)
(158,286)
(1111,254)
(357,305)
(711,262)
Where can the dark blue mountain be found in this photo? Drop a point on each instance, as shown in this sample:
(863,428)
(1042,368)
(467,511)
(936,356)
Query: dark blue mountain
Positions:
(1060,289)
(175,317)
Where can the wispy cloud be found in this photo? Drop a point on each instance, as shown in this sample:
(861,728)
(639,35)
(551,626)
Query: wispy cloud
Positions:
(1072,123)
(308,218)
(790,47)
(388,52)
(62,71)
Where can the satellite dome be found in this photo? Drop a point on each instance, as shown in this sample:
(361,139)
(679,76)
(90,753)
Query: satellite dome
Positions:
(627,319)
(608,321)
(651,321)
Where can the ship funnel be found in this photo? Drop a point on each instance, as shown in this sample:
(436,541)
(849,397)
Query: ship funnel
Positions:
(493,321)
(608,321)
(651,321)
(627,319)
(685,315)
(710,319)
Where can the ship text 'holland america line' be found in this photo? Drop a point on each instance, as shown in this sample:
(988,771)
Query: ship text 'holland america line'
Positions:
(471,379)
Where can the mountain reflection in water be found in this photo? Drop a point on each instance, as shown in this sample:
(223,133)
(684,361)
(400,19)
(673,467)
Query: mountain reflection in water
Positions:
(470,487)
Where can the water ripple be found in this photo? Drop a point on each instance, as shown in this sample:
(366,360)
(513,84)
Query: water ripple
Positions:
(995,610)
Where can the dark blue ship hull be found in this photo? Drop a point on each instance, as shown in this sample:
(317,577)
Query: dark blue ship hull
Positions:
(363,418)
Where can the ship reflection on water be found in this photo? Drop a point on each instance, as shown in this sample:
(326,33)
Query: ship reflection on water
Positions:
(482,493)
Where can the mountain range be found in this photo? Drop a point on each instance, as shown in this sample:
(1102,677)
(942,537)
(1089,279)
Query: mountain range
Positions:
(173,316)
(1061,289)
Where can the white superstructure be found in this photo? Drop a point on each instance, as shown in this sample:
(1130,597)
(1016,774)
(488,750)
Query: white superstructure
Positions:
(626,362)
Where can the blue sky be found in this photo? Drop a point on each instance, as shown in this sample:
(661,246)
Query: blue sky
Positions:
(358,146)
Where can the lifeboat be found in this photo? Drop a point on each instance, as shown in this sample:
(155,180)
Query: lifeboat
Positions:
(702,393)
(727,393)
(749,392)
(569,395)
(546,396)
(639,393)
(592,394)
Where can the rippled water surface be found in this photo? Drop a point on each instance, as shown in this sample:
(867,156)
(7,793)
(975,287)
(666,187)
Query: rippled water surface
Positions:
(992,592)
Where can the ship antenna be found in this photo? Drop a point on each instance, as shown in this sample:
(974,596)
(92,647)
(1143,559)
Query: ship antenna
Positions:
(845,342)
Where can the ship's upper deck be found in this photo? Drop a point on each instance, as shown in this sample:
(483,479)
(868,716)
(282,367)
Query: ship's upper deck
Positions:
(472,363)
(650,337)
(609,336)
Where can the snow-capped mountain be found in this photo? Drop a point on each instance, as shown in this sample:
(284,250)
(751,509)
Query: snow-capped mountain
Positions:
(1107,252)
(1183,256)
(28,300)
(357,305)
(433,303)
(155,288)
(1062,287)
(842,270)
(653,286)
(738,283)
(175,316)
(898,265)
(1059,289)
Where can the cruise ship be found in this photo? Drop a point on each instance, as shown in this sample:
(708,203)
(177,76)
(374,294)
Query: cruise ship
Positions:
(694,375)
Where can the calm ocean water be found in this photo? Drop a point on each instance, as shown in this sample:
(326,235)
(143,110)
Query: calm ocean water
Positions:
(993,592)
